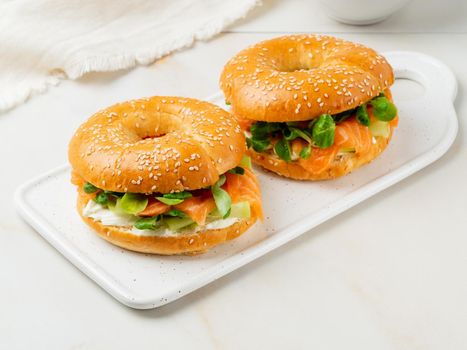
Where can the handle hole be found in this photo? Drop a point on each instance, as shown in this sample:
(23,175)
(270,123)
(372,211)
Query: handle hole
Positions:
(407,89)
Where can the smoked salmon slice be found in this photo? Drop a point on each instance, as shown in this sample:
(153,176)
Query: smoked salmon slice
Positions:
(245,188)
(198,207)
(352,134)
(348,134)
(320,158)
(245,123)
(154,208)
(395,122)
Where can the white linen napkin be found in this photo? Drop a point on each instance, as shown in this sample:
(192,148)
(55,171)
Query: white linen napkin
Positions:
(44,41)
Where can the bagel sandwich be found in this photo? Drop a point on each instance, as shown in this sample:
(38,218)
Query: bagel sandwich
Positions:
(312,107)
(164,175)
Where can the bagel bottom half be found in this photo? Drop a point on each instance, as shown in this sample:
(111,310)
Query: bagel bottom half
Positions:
(186,243)
(340,166)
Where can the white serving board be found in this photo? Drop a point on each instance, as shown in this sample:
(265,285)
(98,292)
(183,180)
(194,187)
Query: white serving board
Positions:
(427,128)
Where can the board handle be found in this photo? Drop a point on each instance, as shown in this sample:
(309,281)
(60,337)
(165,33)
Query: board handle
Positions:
(436,78)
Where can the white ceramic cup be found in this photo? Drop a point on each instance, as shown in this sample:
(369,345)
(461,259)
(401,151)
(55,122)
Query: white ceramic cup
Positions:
(361,12)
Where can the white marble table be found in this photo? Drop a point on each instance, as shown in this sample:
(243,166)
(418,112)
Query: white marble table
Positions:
(390,273)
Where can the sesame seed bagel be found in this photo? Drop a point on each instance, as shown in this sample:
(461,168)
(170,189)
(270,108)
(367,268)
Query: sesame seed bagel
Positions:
(186,243)
(157,144)
(300,77)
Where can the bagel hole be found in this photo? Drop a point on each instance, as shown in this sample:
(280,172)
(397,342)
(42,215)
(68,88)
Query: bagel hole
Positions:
(295,69)
(154,136)
(158,126)
(295,66)
(298,60)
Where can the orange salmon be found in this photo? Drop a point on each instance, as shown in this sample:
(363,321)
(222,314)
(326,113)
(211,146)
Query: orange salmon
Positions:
(320,159)
(245,188)
(154,208)
(351,133)
(245,123)
(198,207)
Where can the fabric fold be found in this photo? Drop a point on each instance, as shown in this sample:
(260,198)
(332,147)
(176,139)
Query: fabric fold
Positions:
(45,41)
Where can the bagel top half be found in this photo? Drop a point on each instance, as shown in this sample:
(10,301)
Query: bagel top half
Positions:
(157,144)
(300,77)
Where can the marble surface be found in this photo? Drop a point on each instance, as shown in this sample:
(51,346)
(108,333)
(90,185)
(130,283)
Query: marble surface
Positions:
(387,274)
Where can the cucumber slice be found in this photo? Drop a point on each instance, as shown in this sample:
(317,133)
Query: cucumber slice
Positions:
(215,214)
(237,210)
(379,128)
(240,210)
(246,162)
(176,224)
